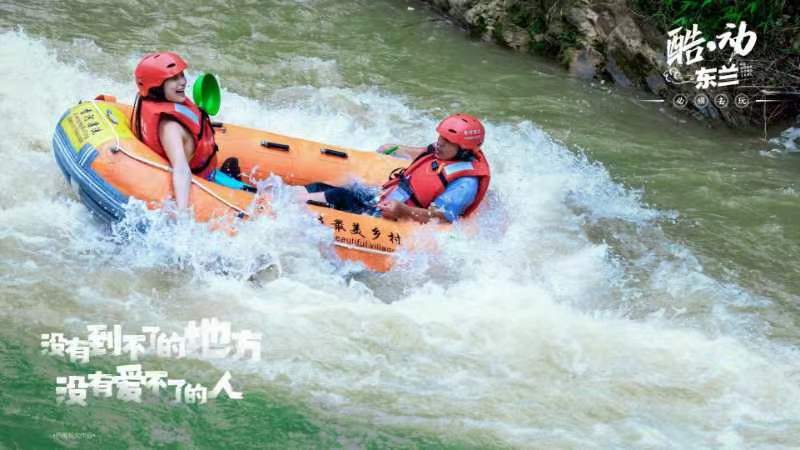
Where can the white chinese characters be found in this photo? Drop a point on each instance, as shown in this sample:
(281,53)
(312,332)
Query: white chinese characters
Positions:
(209,339)
(686,46)
(131,381)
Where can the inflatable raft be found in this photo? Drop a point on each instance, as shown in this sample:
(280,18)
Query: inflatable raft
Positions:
(103,161)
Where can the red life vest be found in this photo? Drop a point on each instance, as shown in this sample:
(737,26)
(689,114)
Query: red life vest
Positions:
(427,177)
(192,118)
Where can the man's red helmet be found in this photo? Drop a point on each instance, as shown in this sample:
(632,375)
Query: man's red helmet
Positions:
(154,68)
(463,130)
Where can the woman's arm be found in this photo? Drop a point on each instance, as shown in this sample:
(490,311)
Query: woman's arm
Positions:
(171,135)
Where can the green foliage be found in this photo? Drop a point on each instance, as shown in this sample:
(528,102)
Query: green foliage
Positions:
(773,20)
(521,13)
(537,25)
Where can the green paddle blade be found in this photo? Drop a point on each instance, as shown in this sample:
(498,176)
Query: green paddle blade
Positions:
(206,93)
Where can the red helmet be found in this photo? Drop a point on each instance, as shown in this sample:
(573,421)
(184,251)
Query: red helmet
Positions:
(463,130)
(154,68)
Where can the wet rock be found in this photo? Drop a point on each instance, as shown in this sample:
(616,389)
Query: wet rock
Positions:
(710,111)
(656,84)
(735,117)
(616,74)
(482,17)
(516,37)
(583,63)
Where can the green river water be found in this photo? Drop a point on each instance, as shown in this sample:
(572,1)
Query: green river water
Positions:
(636,283)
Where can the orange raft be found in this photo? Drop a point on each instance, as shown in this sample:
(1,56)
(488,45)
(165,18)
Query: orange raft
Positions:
(107,165)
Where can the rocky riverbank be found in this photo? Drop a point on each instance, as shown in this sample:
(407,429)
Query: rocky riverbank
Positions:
(615,40)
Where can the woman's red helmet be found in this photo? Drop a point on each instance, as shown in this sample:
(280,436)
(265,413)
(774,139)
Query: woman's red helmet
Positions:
(154,68)
(463,130)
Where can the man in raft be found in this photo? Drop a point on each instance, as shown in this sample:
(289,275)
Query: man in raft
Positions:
(170,124)
(445,180)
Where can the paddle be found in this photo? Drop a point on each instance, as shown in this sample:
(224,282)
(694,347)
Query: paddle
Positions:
(206,93)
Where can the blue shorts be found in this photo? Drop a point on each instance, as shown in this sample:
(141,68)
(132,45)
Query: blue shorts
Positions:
(355,198)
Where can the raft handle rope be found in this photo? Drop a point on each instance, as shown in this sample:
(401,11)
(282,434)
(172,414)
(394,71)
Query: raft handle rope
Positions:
(119,148)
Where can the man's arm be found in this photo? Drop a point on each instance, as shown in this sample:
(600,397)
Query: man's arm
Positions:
(448,206)
(458,196)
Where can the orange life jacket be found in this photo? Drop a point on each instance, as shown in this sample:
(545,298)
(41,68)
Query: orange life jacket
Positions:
(427,177)
(192,118)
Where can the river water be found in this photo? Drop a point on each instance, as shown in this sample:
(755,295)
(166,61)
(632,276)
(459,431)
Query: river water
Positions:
(635,283)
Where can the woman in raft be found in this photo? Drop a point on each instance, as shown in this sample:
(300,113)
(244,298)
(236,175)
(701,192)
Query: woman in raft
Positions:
(169,123)
(446,180)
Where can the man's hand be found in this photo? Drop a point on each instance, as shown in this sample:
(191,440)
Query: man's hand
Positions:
(392,209)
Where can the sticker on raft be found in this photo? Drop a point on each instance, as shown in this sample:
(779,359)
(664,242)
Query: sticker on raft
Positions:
(210,339)
(342,230)
(131,380)
(93,123)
